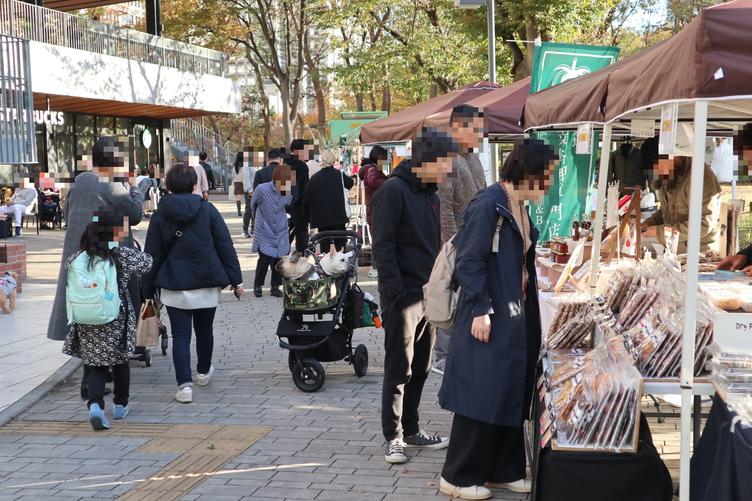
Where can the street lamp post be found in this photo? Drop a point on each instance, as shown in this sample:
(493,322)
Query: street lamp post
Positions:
(491,21)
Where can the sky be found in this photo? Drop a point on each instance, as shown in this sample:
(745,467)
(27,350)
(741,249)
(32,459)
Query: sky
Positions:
(652,16)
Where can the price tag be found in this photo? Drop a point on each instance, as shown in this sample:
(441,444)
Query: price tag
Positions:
(667,139)
(584,139)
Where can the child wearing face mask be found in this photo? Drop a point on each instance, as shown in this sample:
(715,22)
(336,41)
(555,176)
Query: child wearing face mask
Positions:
(101,318)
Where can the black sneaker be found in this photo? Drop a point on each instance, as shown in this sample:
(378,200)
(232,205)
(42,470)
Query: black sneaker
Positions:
(276,292)
(395,452)
(425,441)
(257,292)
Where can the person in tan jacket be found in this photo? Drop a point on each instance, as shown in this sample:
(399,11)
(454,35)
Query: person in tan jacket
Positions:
(468,178)
(672,177)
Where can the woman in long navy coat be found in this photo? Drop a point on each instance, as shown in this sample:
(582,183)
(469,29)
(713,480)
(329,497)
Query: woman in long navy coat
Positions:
(488,380)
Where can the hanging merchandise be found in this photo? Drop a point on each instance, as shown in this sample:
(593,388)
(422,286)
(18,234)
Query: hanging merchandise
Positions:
(723,161)
(625,168)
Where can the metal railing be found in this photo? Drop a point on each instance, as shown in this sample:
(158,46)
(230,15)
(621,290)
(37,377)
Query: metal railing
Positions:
(17,140)
(196,138)
(28,21)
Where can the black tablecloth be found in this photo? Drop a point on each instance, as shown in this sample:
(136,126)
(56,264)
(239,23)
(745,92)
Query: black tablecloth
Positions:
(721,467)
(599,476)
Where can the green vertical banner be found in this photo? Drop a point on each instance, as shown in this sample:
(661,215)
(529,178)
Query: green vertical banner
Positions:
(566,200)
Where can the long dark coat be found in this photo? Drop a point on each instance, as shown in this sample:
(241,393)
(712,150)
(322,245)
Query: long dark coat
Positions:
(492,382)
(87,195)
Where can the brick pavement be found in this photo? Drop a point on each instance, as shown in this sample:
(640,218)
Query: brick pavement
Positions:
(321,446)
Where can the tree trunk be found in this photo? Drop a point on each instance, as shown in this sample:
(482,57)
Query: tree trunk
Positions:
(287,123)
(434,90)
(315,74)
(359,101)
(386,92)
(372,99)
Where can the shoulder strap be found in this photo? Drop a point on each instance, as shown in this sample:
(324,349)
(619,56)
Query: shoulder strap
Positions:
(495,243)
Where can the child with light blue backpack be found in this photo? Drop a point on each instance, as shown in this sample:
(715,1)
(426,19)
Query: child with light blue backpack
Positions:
(102,323)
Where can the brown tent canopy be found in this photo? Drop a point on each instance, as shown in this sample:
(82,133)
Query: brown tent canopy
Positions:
(709,58)
(501,109)
(405,125)
(577,101)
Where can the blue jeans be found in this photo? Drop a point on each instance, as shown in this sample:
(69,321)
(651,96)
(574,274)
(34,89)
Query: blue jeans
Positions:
(180,324)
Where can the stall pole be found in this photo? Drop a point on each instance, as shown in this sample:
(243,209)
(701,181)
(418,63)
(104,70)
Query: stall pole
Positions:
(690,299)
(600,200)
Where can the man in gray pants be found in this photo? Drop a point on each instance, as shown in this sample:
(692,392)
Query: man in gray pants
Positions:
(468,178)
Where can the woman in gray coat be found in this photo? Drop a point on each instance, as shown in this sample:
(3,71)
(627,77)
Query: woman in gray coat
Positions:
(92,191)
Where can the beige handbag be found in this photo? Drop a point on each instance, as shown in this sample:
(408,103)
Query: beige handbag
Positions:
(147,329)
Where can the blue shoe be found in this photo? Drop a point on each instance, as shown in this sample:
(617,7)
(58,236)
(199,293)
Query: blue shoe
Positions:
(97,418)
(120,411)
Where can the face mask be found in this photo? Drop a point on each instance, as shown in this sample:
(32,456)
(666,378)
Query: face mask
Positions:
(112,245)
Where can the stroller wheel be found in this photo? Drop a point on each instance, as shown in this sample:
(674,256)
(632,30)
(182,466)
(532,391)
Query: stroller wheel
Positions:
(291,361)
(147,358)
(308,375)
(360,360)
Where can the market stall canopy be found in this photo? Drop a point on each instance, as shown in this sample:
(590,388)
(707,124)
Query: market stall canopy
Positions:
(575,102)
(405,125)
(709,58)
(501,109)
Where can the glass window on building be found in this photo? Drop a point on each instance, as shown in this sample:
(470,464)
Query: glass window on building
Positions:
(106,126)
(61,145)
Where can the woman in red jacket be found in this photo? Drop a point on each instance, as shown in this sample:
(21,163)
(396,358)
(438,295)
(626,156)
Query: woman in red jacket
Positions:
(372,175)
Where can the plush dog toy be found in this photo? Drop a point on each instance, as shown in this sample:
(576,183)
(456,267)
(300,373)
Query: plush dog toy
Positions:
(8,286)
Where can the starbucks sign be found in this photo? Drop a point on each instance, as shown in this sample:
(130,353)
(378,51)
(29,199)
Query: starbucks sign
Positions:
(146,138)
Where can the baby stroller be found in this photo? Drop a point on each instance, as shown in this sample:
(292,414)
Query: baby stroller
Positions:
(320,316)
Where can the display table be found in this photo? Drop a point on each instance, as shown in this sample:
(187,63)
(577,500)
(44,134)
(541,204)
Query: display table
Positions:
(598,476)
(722,462)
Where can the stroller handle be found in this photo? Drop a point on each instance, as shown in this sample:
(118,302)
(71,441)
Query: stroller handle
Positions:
(335,234)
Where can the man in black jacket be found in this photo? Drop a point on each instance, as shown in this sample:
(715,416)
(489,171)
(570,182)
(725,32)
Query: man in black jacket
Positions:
(301,151)
(203,156)
(406,241)
(264,175)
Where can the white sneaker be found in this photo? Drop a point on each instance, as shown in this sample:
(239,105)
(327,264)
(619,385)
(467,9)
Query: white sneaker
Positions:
(438,366)
(472,492)
(184,395)
(522,486)
(245,235)
(203,379)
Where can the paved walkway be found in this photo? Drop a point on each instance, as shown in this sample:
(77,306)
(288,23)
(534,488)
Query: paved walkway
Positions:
(249,434)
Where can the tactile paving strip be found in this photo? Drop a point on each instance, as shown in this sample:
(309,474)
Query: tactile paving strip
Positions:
(203,450)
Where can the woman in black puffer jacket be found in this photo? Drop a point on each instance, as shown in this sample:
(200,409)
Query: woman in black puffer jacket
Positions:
(194,259)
